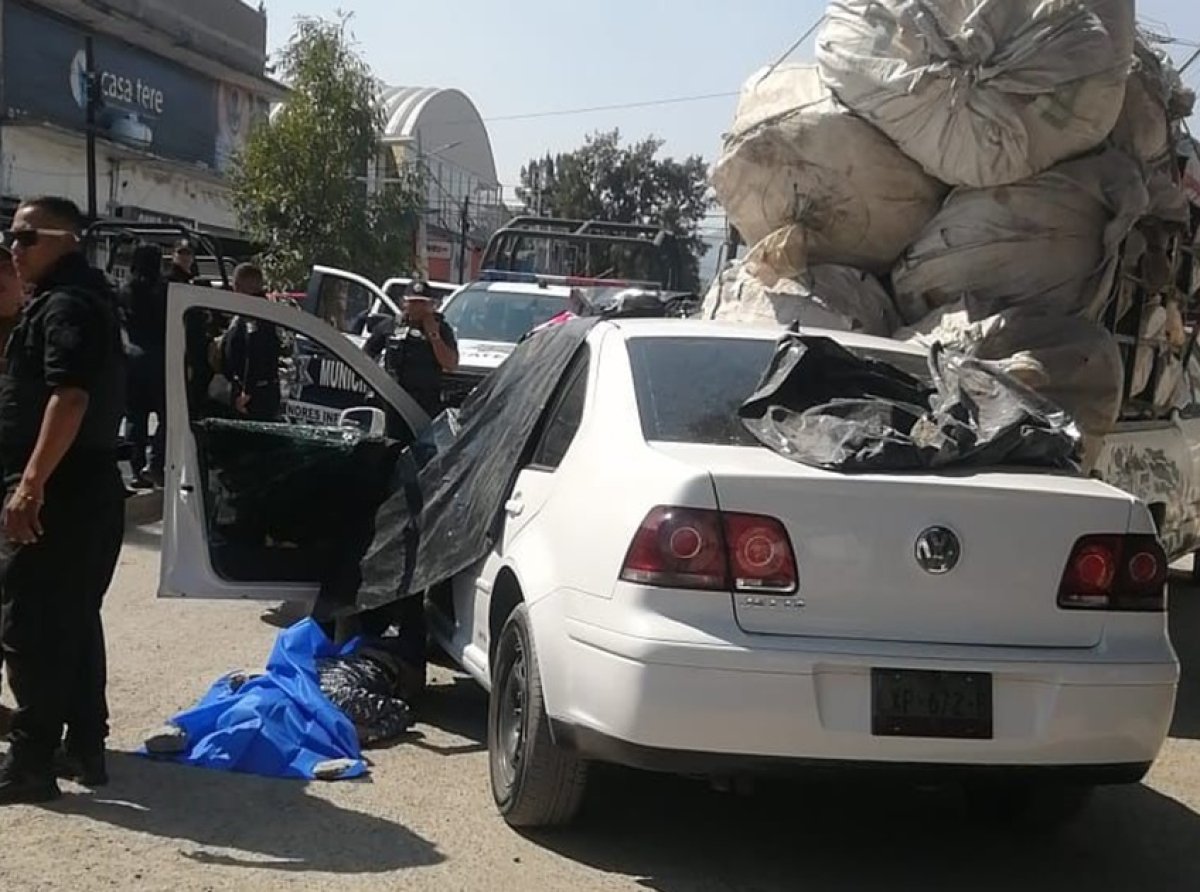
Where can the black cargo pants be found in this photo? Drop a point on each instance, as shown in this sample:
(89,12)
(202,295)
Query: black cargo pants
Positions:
(50,626)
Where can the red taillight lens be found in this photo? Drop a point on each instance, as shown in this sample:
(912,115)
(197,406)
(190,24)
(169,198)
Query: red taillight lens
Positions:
(760,554)
(678,548)
(1115,573)
(700,549)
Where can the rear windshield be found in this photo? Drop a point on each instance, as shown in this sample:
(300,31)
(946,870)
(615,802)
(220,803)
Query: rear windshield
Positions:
(477,314)
(689,389)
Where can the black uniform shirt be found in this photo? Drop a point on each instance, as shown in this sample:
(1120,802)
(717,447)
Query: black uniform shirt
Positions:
(69,336)
(252,351)
(409,358)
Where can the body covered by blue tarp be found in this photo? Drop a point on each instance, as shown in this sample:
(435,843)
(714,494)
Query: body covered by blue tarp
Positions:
(278,724)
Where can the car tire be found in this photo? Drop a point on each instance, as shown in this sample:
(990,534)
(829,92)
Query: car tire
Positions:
(535,783)
(1028,806)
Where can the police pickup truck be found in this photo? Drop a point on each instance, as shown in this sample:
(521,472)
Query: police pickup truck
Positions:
(534,269)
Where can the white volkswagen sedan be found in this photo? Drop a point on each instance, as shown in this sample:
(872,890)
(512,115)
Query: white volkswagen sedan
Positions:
(667,594)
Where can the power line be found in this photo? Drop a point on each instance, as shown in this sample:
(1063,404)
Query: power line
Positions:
(795,46)
(649,103)
(1191,59)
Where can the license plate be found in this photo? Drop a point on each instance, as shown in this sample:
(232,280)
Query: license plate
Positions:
(921,703)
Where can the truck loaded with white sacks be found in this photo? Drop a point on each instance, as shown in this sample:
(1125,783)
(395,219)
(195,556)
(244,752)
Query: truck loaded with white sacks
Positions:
(1012,180)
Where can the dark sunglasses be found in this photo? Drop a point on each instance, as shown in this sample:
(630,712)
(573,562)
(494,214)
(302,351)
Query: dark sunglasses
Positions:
(27,238)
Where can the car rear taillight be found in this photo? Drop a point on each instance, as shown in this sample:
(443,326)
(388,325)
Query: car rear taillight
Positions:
(710,550)
(1114,572)
(760,554)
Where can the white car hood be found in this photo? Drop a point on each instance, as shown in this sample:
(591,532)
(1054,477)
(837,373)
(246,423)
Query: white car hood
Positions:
(483,354)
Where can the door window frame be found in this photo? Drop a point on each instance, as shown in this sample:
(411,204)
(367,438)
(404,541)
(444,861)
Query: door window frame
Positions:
(575,377)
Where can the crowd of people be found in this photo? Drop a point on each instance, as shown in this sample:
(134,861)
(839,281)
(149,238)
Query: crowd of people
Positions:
(243,355)
(80,358)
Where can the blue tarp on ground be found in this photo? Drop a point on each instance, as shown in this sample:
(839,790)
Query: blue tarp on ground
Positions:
(278,724)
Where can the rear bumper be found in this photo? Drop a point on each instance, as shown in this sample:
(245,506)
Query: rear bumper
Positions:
(691,706)
(593,745)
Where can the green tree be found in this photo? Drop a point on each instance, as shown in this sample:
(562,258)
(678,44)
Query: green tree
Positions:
(300,186)
(604,180)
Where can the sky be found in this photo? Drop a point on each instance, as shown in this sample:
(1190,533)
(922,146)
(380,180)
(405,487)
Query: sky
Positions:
(519,57)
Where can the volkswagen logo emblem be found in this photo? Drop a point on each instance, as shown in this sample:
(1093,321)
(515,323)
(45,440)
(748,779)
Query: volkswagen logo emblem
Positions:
(938,550)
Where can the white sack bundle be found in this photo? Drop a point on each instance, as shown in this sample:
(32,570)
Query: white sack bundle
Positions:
(796,156)
(840,298)
(1050,242)
(982,92)
(1155,98)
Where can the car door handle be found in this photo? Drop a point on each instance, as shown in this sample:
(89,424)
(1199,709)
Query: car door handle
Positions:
(514,507)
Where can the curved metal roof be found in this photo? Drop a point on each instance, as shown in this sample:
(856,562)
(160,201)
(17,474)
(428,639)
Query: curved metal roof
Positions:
(442,125)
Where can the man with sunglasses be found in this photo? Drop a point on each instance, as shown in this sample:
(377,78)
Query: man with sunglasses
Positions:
(61,401)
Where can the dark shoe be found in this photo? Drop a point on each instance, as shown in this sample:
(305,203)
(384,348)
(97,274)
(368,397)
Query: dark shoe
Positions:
(158,478)
(90,770)
(17,788)
(6,717)
(142,481)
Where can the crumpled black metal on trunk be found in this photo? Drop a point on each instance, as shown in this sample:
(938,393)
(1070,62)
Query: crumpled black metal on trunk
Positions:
(822,405)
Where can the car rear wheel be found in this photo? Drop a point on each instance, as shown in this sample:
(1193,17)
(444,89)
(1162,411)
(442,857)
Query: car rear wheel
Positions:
(534,782)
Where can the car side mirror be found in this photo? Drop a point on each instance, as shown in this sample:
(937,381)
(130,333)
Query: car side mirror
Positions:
(368,419)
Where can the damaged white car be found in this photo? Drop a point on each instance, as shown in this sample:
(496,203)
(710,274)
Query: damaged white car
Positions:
(664,592)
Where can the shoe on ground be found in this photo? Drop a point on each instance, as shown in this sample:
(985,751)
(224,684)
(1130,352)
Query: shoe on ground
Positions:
(90,770)
(142,481)
(169,740)
(332,769)
(18,788)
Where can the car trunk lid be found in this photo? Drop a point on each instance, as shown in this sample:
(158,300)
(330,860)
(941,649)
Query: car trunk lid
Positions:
(863,572)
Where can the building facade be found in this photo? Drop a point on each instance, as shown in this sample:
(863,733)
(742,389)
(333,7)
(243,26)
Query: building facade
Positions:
(441,133)
(180,84)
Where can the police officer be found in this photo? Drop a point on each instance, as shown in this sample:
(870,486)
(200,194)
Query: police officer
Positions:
(61,400)
(250,355)
(419,350)
(183,263)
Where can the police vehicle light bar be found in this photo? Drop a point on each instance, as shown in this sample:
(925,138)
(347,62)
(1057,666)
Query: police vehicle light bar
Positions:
(543,281)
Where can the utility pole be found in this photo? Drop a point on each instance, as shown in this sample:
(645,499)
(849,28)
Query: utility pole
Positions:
(422,231)
(93,100)
(463,231)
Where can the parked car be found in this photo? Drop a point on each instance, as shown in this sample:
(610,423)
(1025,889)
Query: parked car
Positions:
(667,594)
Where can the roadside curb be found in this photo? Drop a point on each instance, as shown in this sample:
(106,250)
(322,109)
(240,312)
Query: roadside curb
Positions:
(144,507)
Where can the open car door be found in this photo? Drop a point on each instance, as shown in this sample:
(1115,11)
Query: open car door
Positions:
(349,302)
(258,496)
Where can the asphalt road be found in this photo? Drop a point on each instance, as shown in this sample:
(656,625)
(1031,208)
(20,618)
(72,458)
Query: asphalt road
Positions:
(424,820)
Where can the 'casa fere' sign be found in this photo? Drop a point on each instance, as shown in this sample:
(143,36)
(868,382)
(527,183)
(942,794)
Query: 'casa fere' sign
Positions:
(117,88)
